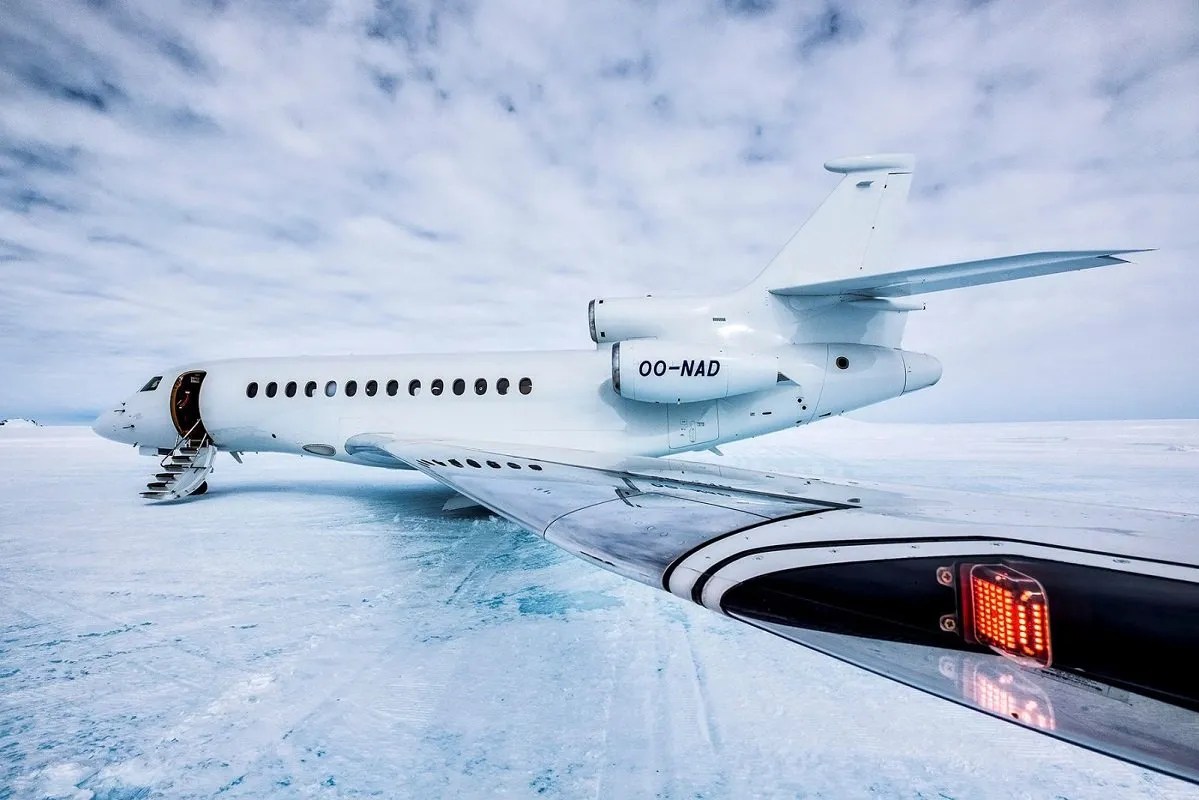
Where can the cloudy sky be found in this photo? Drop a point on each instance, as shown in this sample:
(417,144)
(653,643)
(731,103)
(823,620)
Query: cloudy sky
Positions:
(186,180)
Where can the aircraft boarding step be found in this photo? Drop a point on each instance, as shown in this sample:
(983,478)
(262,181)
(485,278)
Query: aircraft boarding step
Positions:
(184,471)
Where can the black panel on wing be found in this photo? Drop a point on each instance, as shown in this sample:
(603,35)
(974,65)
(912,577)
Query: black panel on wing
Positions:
(1134,631)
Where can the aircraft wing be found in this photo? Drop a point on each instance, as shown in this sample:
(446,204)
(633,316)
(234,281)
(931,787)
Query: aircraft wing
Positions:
(1077,621)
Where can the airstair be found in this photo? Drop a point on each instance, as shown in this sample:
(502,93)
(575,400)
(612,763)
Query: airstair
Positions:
(184,471)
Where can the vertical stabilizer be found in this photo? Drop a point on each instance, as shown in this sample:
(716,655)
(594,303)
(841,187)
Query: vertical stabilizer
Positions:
(853,231)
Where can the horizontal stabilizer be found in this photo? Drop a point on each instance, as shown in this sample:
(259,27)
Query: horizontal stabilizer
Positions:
(956,276)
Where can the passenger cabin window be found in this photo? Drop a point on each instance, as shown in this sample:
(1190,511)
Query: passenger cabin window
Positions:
(459,386)
(152,384)
(414,387)
(351,388)
(310,389)
(330,388)
(526,385)
(393,386)
(272,389)
(480,386)
(290,391)
(372,388)
(252,389)
(437,387)
(502,385)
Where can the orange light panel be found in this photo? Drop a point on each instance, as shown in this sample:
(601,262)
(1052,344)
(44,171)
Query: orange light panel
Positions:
(1009,613)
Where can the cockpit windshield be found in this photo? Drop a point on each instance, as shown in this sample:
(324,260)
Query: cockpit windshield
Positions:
(152,384)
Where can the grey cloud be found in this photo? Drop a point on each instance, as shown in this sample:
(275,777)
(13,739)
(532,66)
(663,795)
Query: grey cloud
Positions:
(99,237)
(749,7)
(37,156)
(832,26)
(46,60)
(184,120)
(99,95)
(25,200)
(143,30)
(11,251)
(388,83)
(640,68)
(408,23)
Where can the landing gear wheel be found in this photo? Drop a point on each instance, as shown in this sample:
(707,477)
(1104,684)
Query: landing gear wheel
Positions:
(201,489)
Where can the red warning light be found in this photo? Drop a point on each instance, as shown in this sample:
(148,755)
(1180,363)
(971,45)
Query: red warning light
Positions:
(1007,611)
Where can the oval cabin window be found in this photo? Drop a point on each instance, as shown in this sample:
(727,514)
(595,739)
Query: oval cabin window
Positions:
(271,389)
(330,388)
(252,389)
(502,385)
(372,388)
(436,387)
(459,386)
(310,389)
(526,385)
(393,386)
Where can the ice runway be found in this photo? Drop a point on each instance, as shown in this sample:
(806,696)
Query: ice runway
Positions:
(316,629)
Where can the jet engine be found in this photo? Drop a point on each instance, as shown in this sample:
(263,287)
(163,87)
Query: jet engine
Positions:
(615,319)
(673,372)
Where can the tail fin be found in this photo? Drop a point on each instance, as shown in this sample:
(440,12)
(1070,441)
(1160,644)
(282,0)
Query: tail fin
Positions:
(852,232)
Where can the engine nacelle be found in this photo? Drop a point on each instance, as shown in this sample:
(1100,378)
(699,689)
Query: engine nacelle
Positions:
(615,319)
(672,372)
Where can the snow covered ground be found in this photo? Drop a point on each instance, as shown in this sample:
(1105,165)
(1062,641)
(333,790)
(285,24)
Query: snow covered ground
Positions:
(318,630)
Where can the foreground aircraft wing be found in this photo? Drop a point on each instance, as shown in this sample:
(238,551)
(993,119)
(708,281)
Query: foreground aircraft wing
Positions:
(960,275)
(1078,621)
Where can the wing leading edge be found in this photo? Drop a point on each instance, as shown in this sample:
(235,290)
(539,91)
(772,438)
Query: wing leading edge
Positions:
(876,576)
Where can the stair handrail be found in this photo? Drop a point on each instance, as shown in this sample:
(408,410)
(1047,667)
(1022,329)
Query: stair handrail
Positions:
(184,438)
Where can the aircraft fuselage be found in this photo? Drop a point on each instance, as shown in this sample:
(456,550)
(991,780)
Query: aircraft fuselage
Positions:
(312,405)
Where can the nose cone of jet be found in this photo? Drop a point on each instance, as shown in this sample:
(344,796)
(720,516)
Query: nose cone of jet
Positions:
(108,425)
(920,371)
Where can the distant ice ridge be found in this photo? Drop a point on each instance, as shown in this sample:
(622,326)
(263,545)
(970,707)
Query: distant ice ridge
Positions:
(20,422)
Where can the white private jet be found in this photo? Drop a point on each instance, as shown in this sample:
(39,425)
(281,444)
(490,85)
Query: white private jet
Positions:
(952,593)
